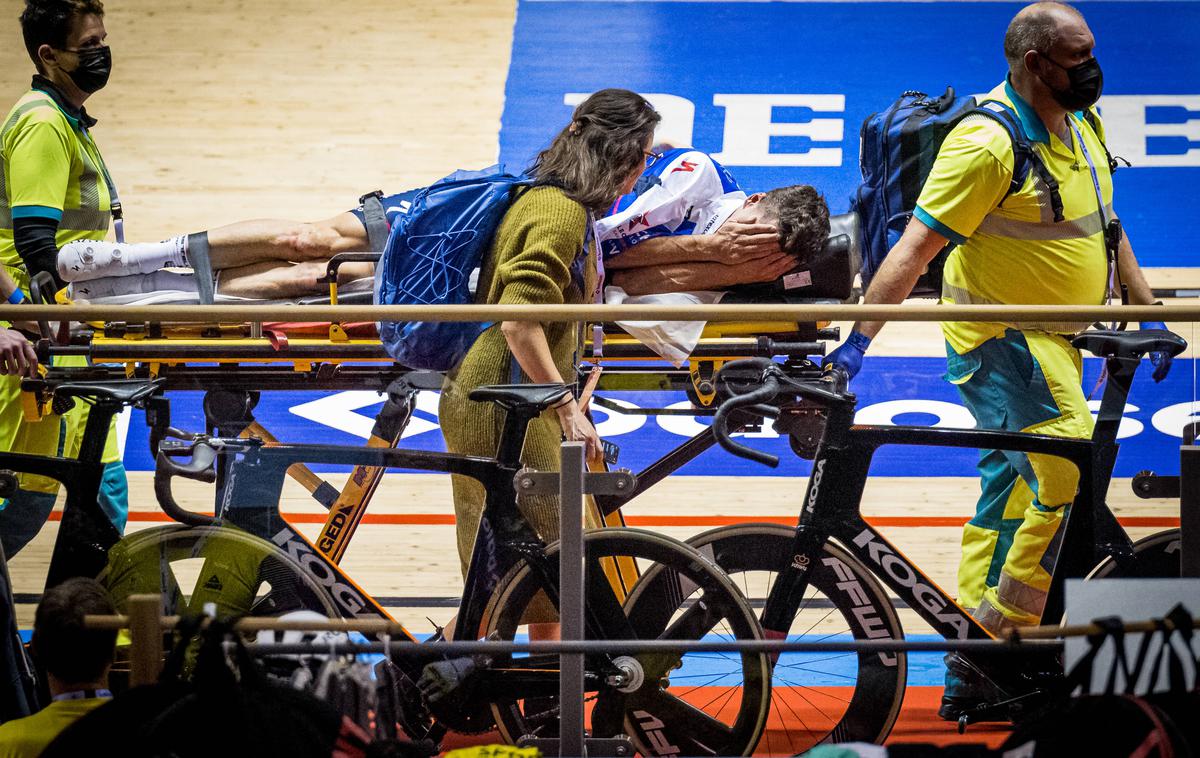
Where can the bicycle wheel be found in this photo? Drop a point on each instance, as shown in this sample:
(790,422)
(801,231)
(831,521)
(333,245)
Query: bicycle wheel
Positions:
(819,697)
(194,565)
(672,704)
(1155,557)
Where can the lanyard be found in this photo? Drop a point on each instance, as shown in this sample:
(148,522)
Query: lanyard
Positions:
(82,695)
(114,202)
(1109,253)
(1092,168)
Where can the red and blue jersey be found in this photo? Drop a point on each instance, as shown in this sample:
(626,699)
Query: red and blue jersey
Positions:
(684,192)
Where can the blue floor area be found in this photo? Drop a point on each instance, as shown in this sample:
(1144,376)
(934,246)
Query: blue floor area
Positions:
(777,91)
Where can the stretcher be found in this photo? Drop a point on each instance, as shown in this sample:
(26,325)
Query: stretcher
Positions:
(233,362)
(297,354)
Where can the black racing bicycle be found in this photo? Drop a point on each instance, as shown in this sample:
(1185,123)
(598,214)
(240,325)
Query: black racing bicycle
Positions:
(830,575)
(640,586)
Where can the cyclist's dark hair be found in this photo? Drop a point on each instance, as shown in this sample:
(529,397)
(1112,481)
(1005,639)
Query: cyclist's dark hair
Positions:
(73,654)
(48,22)
(593,155)
(802,216)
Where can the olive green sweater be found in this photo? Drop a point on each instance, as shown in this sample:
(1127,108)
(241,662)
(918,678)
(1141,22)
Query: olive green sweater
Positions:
(530,262)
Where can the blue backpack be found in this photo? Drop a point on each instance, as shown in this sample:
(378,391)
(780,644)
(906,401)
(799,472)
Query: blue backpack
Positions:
(899,146)
(431,251)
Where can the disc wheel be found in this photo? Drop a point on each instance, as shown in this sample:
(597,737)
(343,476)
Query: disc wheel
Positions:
(1155,557)
(819,697)
(672,704)
(191,566)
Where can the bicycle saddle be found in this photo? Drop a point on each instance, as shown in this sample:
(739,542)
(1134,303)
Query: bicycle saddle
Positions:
(1105,343)
(536,397)
(126,392)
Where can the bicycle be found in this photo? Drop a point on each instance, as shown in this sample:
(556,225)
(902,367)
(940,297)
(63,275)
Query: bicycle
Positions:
(254,561)
(92,531)
(827,576)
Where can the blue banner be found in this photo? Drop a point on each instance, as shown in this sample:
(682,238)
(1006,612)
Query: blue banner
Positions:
(889,390)
(778,90)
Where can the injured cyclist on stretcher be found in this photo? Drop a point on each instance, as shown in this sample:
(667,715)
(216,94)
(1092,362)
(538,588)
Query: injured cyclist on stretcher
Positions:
(687,234)
(687,226)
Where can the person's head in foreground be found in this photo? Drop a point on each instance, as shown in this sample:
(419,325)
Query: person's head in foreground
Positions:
(74,658)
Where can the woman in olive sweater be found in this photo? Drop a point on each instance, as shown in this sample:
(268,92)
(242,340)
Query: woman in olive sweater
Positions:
(539,257)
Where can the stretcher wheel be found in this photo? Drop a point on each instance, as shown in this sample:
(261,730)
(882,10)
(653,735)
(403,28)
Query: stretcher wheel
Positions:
(664,703)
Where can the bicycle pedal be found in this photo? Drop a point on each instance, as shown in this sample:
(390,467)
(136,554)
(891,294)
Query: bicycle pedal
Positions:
(1002,710)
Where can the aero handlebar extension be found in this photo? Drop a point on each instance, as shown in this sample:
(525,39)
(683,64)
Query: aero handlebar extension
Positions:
(770,378)
(201,468)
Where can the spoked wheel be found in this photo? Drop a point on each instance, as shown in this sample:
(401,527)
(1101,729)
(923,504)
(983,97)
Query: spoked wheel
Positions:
(818,697)
(1155,557)
(667,704)
(194,565)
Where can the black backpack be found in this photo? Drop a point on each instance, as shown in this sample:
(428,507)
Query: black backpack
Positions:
(898,148)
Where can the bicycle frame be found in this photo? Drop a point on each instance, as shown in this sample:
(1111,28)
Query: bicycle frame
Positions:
(92,532)
(830,506)
(250,498)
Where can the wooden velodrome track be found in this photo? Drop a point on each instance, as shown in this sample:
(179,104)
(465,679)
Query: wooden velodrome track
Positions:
(220,110)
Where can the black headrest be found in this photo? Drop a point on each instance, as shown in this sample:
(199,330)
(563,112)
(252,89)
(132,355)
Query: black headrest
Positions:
(849,225)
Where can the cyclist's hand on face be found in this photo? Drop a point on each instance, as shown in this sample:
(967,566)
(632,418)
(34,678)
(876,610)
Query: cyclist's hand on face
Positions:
(577,428)
(17,357)
(1161,361)
(737,243)
(849,354)
(765,269)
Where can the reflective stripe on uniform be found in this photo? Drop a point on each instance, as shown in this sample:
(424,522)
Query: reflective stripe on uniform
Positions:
(1012,228)
(952,293)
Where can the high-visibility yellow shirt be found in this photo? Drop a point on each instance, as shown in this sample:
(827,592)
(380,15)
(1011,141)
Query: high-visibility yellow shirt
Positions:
(1009,248)
(28,737)
(52,169)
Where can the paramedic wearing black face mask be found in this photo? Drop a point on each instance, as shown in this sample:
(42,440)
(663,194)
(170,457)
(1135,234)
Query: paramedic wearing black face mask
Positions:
(1028,246)
(56,190)
(1085,81)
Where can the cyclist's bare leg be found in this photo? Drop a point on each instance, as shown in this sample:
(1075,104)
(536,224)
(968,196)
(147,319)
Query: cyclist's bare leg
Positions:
(282,279)
(246,242)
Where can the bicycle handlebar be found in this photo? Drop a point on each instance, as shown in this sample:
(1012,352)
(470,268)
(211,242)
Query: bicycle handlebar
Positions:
(201,468)
(770,378)
(768,390)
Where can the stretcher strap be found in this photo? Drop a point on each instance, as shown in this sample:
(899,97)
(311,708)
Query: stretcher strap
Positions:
(375,219)
(198,256)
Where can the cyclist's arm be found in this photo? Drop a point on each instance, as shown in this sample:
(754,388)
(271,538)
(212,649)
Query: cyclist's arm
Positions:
(898,274)
(692,276)
(659,251)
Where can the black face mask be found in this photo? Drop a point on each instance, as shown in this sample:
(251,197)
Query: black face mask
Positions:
(1086,82)
(95,65)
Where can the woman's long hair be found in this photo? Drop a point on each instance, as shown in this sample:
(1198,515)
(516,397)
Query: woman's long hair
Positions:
(592,158)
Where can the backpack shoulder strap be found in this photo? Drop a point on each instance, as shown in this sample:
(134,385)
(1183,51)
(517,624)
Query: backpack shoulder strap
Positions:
(1025,157)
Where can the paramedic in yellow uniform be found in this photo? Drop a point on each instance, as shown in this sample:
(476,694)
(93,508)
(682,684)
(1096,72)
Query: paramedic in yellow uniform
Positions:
(1011,250)
(55,190)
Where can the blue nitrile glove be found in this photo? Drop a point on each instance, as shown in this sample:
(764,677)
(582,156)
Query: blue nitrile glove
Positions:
(849,354)
(1161,361)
